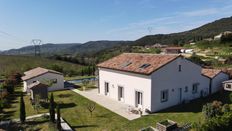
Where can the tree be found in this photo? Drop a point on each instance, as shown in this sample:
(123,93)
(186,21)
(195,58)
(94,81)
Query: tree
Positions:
(85,83)
(82,72)
(58,122)
(22,110)
(91,108)
(52,109)
(211,110)
(56,67)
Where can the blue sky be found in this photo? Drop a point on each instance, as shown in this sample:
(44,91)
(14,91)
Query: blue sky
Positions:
(64,21)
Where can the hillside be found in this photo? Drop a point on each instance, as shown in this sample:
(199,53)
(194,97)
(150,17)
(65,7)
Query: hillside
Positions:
(67,48)
(206,31)
(20,64)
(106,49)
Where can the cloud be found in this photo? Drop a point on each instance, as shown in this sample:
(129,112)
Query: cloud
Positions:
(203,12)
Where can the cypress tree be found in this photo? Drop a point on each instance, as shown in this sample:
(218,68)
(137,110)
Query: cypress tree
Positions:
(52,109)
(22,110)
(58,122)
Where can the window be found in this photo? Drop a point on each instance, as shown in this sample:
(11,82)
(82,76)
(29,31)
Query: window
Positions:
(106,88)
(144,66)
(195,87)
(54,81)
(186,89)
(179,68)
(228,86)
(164,95)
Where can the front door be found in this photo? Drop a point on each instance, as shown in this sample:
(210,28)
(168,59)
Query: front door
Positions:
(120,93)
(138,99)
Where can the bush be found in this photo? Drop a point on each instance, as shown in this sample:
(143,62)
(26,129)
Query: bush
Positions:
(211,110)
(226,108)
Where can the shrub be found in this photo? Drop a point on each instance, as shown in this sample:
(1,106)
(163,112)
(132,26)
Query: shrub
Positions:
(211,110)
(52,108)
(226,108)
(22,110)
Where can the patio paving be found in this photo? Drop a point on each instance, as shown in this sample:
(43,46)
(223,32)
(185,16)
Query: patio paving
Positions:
(109,103)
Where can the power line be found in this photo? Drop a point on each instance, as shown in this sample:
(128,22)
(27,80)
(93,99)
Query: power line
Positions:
(12,36)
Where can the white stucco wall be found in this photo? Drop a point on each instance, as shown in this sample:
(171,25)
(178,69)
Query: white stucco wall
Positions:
(130,81)
(169,78)
(45,77)
(166,78)
(217,81)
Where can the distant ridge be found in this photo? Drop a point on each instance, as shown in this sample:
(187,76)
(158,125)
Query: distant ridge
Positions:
(92,47)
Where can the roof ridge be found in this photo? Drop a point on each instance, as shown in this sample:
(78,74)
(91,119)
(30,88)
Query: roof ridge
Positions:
(154,54)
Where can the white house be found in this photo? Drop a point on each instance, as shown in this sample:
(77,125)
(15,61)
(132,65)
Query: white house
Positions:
(216,78)
(56,79)
(151,82)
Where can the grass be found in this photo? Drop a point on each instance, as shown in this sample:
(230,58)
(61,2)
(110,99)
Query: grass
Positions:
(36,124)
(74,111)
(20,64)
(12,109)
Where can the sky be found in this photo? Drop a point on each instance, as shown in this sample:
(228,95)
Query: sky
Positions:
(79,21)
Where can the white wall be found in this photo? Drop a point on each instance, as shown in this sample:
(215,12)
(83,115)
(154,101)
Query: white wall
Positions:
(45,77)
(171,79)
(130,81)
(217,81)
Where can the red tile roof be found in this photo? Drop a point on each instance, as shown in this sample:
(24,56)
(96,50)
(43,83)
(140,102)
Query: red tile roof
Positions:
(211,73)
(131,62)
(37,72)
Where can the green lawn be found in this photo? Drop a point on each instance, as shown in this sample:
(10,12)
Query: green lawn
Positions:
(74,111)
(36,124)
(12,109)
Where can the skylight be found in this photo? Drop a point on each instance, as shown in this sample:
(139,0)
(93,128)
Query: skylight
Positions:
(125,64)
(144,66)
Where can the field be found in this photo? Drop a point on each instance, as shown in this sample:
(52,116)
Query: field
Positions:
(74,111)
(20,64)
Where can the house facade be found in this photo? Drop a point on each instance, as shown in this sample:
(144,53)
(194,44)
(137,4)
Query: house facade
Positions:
(53,78)
(151,82)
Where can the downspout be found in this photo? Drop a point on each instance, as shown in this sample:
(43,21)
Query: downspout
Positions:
(210,86)
(98,81)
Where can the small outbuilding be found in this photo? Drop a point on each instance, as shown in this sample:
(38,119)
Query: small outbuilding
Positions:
(173,50)
(39,89)
(53,78)
(216,78)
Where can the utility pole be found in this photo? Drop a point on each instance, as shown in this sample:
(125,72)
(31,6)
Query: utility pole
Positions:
(37,44)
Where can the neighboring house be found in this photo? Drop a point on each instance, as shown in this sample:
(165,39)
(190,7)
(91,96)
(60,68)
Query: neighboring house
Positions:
(216,77)
(173,50)
(227,85)
(39,89)
(56,79)
(151,82)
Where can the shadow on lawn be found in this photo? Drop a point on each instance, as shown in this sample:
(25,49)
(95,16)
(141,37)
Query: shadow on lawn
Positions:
(5,115)
(45,105)
(84,126)
(197,104)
